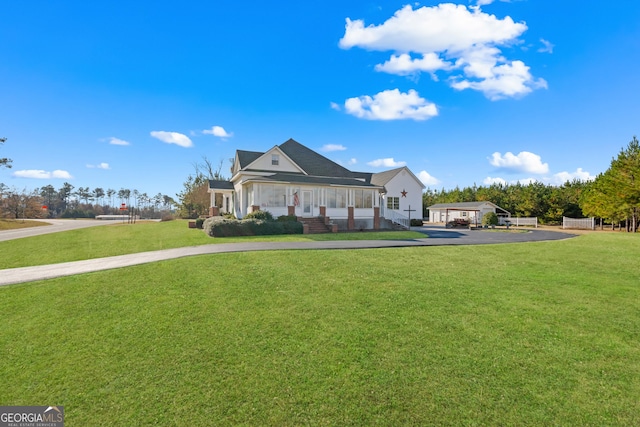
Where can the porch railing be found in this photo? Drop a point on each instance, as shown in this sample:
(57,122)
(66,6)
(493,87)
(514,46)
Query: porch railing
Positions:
(397,218)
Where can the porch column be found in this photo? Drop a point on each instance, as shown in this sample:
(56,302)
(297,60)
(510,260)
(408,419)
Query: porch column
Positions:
(351,223)
(376,218)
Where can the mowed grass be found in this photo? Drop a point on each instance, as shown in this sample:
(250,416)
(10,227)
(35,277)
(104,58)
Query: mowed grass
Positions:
(518,334)
(120,239)
(13,224)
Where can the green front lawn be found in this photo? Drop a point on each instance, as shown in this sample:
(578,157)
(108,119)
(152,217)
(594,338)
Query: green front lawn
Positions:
(518,334)
(120,239)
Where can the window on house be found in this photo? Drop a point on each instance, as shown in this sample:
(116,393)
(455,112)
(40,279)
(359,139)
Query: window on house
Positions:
(368,199)
(464,213)
(275,159)
(336,198)
(393,203)
(363,198)
(272,195)
(341,198)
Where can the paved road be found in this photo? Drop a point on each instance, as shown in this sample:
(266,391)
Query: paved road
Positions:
(56,226)
(437,236)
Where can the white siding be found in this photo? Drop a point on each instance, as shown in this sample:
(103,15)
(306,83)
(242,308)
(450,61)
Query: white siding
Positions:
(265,162)
(404,181)
(440,215)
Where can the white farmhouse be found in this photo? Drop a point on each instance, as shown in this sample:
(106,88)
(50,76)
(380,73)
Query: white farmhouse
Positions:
(291,179)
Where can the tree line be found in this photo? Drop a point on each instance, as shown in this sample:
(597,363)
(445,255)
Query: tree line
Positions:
(613,197)
(546,202)
(615,194)
(83,202)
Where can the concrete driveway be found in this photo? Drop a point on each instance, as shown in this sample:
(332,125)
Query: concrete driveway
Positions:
(437,236)
(56,226)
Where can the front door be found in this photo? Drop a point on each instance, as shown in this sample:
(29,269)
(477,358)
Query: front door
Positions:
(307,203)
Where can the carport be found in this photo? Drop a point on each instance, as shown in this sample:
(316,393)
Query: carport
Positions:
(472,211)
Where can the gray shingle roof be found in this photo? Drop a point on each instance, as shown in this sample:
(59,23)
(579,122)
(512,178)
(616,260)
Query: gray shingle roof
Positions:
(382,178)
(307,179)
(246,157)
(220,185)
(318,169)
(311,162)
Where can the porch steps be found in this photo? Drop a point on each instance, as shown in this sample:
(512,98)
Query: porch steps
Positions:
(316,225)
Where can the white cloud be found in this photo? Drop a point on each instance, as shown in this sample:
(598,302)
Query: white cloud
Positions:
(489,181)
(172,138)
(427,179)
(522,181)
(525,181)
(562,177)
(448,37)
(556,179)
(502,81)
(117,141)
(99,166)
(218,131)
(404,65)
(42,174)
(523,162)
(333,147)
(387,163)
(352,161)
(547,46)
(335,106)
(487,2)
(391,105)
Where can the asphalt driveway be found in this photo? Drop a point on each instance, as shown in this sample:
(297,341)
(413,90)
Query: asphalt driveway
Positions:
(57,225)
(434,236)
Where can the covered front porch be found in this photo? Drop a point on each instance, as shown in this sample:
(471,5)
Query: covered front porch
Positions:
(222,196)
(348,207)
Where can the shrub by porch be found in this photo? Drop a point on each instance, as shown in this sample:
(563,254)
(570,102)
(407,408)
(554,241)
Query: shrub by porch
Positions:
(223,227)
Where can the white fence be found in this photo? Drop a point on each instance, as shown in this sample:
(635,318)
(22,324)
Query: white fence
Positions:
(118,217)
(579,223)
(518,221)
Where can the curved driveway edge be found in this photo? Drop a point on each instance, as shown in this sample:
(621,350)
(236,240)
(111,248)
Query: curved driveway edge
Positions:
(438,236)
(57,225)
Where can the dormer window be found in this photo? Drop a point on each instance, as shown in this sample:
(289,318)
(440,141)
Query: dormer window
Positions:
(275,160)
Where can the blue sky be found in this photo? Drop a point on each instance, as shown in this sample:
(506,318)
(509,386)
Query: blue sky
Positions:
(125,94)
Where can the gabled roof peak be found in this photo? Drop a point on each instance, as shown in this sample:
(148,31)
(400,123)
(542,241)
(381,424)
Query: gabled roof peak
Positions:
(311,162)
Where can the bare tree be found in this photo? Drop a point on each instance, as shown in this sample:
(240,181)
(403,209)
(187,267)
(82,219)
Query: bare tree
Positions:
(22,204)
(206,169)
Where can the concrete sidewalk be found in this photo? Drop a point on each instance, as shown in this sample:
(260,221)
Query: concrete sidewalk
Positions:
(438,236)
